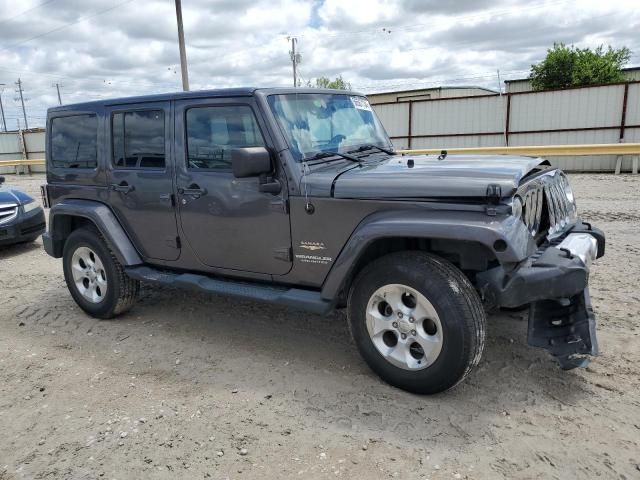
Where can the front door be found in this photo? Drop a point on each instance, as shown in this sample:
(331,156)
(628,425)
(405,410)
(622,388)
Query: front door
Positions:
(140,177)
(227,221)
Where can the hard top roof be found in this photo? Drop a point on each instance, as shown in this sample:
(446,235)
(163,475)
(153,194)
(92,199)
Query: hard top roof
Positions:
(217,93)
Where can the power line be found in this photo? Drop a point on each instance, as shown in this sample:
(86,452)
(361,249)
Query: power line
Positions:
(2,22)
(62,27)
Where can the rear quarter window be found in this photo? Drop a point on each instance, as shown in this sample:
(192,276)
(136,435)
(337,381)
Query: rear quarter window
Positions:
(74,141)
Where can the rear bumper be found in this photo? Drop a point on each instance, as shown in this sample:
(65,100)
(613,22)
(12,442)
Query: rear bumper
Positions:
(554,283)
(25,227)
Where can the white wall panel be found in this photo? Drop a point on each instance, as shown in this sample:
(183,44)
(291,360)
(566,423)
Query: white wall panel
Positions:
(465,115)
(10,149)
(575,108)
(394,117)
(578,163)
(34,142)
(458,142)
(632,135)
(633,105)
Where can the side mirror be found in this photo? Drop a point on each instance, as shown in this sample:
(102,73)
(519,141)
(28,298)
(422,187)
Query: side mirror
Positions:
(250,162)
(1,180)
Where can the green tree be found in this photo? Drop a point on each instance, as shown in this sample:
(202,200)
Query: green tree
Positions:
(573,67)
(323,82)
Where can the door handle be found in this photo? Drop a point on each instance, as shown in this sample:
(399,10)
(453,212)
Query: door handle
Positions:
(122,187)
(193,190)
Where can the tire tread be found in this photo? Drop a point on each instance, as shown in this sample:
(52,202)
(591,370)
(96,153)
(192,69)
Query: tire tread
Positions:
(465,297)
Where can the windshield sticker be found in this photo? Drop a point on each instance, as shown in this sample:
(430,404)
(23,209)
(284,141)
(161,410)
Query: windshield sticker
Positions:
(361,103)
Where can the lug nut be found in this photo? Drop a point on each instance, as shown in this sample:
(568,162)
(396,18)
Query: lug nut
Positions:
(412,320)
(404,335)
(413,332)
(399,314)
(395,324)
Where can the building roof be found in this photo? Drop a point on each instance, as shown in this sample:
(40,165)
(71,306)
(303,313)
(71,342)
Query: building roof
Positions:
(628,69)
(427,89)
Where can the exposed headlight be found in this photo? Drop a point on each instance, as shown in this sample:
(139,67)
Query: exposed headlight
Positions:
(32,205)
(516,207)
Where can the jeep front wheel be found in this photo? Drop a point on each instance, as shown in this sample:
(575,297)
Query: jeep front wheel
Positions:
(417,321)
(95,278)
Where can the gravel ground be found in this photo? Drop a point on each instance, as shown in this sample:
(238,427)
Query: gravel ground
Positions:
(197,386)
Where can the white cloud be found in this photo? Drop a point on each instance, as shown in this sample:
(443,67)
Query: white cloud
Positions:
(132,48)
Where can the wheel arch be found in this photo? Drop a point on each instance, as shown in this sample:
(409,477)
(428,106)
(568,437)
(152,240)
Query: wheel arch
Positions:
(471,241)
(69,215)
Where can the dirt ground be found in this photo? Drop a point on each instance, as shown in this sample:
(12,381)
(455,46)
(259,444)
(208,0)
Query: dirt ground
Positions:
(180,385)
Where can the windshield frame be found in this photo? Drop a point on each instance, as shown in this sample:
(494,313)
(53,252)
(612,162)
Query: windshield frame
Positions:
(380,139)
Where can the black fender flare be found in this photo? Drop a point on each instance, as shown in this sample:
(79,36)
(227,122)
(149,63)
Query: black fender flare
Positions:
(453,225)
(98,214)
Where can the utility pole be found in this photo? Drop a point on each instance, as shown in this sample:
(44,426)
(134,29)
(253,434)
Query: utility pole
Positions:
(4,120)
(183,52)
(24,112)
(58,89)
(295,60)
(504,109)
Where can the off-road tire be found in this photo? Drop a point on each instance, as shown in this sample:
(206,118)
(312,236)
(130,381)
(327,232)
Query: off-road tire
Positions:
(456,302)
(122,290)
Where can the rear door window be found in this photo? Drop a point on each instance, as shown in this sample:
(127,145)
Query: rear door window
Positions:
(74,141)
(139,139)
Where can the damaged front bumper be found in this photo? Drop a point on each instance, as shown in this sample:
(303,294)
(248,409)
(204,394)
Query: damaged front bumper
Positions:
(554,283)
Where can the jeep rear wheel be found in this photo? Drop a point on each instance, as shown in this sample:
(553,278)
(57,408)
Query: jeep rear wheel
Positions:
(417,321)
(95,278)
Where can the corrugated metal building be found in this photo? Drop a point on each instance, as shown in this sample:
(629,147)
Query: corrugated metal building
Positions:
(27,144)
(588,115)
(427,94)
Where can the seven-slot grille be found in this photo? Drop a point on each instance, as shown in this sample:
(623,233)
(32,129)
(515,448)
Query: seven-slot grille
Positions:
(8,211)
(552,191)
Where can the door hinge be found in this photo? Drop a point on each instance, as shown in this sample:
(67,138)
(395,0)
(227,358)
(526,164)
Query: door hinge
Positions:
(283,254)
(282,205)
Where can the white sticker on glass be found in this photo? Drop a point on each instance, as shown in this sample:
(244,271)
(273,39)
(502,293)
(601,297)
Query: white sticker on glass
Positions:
(361,103)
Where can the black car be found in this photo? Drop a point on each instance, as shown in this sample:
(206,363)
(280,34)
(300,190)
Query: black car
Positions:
(21,217)
(296,197)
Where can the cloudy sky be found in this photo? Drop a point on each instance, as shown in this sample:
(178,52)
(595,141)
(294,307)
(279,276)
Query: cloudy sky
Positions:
(108,48)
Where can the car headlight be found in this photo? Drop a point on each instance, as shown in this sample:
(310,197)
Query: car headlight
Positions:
(32,205)
(516,207)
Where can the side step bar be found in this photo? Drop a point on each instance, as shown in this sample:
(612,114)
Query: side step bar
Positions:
(297,298)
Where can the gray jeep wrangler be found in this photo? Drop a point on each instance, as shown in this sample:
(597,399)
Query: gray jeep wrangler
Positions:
(296,197)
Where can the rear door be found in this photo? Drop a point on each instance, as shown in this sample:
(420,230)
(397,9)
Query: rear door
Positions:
(140,173)
(227,221)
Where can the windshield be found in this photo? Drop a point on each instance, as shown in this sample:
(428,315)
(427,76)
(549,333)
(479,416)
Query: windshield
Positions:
(315,123)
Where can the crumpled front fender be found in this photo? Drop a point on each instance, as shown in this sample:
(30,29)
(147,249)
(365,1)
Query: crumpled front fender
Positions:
(504,235)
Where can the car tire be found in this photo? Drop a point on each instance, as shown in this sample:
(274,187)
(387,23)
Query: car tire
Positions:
(95,278)
(417,321)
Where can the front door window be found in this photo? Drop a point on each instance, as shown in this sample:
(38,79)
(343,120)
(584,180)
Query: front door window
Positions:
(213,131)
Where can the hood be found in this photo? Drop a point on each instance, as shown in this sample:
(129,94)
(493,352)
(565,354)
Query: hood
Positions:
(454,176)
(13,195)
